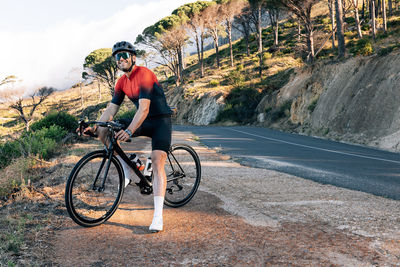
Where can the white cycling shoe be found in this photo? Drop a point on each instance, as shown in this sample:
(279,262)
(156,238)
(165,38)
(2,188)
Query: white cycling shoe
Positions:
(156,224)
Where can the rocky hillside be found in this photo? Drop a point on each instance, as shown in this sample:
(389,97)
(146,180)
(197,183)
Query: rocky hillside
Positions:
(357,100)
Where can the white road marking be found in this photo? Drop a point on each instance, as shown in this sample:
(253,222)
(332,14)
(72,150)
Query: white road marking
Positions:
(317,148)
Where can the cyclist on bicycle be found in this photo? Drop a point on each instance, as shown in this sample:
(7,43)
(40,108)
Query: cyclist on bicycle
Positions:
(152,119)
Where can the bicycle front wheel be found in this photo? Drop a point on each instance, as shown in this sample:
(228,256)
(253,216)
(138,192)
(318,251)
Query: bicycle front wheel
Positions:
(183,172)
(94,189)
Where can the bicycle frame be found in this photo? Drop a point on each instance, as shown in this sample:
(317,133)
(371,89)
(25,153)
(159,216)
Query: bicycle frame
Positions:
(114,147)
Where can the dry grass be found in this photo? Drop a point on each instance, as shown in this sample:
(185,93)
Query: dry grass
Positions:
(35,207)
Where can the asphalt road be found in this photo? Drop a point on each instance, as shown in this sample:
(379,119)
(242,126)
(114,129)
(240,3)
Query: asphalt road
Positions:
(354,167)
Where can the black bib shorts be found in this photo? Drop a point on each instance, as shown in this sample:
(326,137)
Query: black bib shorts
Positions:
(158,128)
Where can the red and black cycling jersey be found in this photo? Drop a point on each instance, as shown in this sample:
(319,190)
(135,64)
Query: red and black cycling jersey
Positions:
(142,83)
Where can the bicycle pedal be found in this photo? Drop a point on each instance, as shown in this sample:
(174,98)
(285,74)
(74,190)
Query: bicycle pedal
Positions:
(144,189)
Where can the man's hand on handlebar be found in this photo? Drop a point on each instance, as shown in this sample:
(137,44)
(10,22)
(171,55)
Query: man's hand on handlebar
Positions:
(122,136)
(85,130)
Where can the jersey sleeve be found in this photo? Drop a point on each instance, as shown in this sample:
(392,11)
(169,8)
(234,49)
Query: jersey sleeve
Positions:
(147,84)
(119,94)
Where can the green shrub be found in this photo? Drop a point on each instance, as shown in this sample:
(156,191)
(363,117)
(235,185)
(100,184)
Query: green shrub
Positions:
(289,25)
(8,151)
(171,80)
(214,83)
(365,27)
(62,119)
(326,21)
(55,132)
(281,112)
(235,78)
(385,51)
(362,47)
(350,20)
(267,56)
(240,105)
(313,105)
(43,142)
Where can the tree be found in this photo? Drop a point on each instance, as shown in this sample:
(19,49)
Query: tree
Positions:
(242,24)
(25,112)
(213,23)
(167,37)
(274,11)
(257,6)
(228,10)
(331,4)
(340,28)
(357,18)
(373,20)
(8,79)
(302,8)
(99,65)
(143,55)
(384,15)
(196,25)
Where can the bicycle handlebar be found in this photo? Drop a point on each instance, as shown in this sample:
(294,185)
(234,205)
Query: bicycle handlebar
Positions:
(114,126)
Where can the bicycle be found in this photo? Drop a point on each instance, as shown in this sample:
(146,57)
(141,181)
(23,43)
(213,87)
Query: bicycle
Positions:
(95,187)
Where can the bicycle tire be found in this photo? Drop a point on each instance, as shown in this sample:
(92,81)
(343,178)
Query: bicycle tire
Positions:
(183,170)
(87,205)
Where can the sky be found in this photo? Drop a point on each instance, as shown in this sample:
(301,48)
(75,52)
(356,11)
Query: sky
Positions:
(44,42)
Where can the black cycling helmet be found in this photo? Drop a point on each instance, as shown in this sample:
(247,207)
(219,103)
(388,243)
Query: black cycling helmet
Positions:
(123,46)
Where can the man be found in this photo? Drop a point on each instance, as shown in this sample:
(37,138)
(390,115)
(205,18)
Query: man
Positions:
(152,119)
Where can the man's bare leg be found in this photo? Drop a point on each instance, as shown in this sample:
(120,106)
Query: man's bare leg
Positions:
(158,158)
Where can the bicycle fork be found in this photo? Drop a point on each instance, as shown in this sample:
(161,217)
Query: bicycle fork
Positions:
(108,159)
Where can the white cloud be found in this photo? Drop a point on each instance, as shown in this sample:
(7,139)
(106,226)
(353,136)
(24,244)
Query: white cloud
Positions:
(54,56)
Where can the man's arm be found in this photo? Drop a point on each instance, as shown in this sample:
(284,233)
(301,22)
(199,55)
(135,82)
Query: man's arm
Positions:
(109,113)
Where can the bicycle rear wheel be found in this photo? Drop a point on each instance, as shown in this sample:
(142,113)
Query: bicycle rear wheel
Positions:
(183,171)
(94,189)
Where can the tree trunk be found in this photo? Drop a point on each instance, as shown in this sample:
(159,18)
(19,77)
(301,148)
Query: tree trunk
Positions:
(98,86)
(390,4)
(340,29)
(377,8)
(357,18)
(363,10)
(180,65)
(298,29)
(183,58)
(260,46)
(216,43)
(229,28)
(373,21)
(198,48)
(332,15)
(310,45)
(246,33)
(202,55)
(384,16)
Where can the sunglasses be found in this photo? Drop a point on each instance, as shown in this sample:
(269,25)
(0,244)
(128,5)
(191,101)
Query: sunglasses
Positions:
(124,55)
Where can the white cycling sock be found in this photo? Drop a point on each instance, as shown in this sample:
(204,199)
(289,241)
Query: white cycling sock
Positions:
(158,206)
(126,169)
(157,223)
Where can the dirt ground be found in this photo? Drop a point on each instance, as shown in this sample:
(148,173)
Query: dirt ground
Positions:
(240,216)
